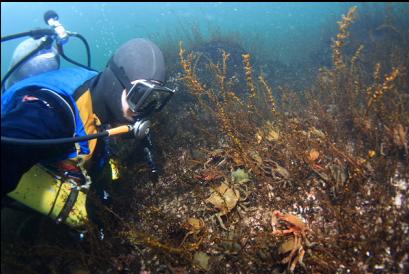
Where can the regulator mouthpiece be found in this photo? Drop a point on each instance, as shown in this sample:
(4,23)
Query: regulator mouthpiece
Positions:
(141,128)
(51,19)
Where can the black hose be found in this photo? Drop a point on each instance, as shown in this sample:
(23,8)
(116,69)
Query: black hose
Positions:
(61,52)
(66,58)
(33,33)
(34,142)
(86,46)
(15,36)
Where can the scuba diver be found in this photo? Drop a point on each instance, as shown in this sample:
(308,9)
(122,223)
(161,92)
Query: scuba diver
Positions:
(56,122)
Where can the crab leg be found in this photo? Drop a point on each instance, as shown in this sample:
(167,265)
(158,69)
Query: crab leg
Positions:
(290,256)
(297,259)
(221,221)
(283,232)
(184,238)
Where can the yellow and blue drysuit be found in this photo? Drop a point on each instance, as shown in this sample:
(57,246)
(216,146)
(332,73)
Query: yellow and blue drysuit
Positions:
(54,104)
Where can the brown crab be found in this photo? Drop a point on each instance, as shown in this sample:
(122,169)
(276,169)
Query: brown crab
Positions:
(276,171)
(298,229)
(193,226)
(227,195)
(217,156)
(210,174)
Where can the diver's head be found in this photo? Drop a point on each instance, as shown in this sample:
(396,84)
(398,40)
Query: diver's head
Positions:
(43,61)
(131,86)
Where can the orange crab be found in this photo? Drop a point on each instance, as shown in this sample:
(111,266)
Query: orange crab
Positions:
(296,225)
(298,229)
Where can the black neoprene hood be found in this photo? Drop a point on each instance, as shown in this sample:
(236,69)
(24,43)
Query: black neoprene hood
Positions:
(140,59)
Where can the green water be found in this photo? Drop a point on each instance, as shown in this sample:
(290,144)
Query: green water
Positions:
(288,32)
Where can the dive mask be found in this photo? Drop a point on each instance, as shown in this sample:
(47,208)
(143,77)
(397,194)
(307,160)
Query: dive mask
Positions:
(143,96)
(148,96)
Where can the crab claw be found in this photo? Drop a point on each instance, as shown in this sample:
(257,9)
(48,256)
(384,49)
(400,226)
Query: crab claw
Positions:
(277,213)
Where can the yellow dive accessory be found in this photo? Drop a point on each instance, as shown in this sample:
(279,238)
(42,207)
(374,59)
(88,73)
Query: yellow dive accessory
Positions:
(58,196)
(114,168)
(55,197)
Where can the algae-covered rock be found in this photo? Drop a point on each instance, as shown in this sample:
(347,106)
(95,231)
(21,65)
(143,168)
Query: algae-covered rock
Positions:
(240,176)
(201,259)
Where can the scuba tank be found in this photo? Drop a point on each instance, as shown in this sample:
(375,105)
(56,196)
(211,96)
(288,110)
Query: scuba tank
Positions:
(36,55)
(46,59)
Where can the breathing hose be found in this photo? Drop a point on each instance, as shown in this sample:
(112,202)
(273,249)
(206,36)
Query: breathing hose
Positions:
(36,34)
(109,132)
(60,50)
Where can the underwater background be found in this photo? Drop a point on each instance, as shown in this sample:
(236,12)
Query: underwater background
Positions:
(287,117)
(289,32)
